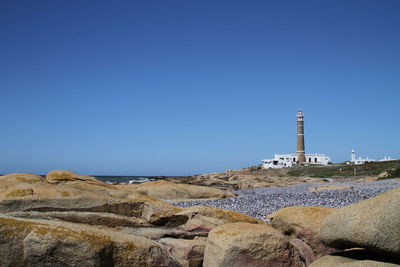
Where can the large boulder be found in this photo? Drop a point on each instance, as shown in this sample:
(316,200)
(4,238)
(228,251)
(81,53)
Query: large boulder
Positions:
(373,224)
(90,218)
(64,176)
(355,258)
(244,244)
(45,190)
(56,185)
(14,178)
(169,190)
(43,243)
(303,223)
(150,209)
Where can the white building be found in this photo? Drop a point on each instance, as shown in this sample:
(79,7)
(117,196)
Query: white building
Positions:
(360,160)
(386,159)
(290,160)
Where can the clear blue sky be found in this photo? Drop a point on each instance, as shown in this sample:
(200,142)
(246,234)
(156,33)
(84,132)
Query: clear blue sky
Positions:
(187,87)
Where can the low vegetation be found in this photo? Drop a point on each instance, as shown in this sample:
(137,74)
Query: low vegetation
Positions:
(370,168)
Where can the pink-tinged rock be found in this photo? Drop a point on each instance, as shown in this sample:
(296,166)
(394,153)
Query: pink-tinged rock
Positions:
(189,253)
(245,244)
(303,223)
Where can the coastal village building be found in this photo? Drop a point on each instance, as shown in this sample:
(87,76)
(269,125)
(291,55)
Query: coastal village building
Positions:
(290,160)
(360,160)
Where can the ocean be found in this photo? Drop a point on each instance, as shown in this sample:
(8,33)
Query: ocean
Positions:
(131,179)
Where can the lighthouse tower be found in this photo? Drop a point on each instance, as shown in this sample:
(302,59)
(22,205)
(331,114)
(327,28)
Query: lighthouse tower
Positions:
(300,138)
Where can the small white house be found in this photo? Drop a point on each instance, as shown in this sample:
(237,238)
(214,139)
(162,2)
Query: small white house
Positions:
(290,160)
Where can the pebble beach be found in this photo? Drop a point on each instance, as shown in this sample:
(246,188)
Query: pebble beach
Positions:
(261,202)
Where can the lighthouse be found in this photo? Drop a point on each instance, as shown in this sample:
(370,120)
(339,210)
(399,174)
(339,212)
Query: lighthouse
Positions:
(300,138)
(299,158)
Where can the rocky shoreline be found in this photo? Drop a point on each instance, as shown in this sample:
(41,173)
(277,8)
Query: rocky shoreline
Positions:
(68,219)
(260,202)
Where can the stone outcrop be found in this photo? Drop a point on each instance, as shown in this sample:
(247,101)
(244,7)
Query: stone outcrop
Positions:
(329,187)
(34,186)
(303,223)
(204,218)
(171,190)
(244,244)
(355,258)
(13,178)
(189,253)
(49,243)
(373,224)
(64,176)
(90,218)
(240,180)
(65,184)
(68,219)
(149,209)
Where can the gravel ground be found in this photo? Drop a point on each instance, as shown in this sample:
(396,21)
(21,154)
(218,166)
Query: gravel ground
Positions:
(260,202)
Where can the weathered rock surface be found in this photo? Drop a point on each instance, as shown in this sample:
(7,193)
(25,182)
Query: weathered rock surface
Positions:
(243,179)
(30,185)
(303,223)
(329,187)
(65,184)
(44,243)
(70,219)
(204,218)
(357,258)
(147,208)
(244,244)
(159,232)
(189,253)
(90,218)
(64,176)
(170,190)
(11,179)
(305,252)
(373,224)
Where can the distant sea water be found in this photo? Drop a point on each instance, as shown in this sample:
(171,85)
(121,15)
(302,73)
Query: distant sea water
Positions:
(131,179)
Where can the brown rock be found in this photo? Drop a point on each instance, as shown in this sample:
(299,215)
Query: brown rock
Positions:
(189,253)
(329,187)
(13,178)
(244,244)
(305,252)
(159,232)
(373,224)
(205,218)
(43,190)
(303,223)
(20,192)
(58,184)
(356,258)
(64,176)
(147,208)
(383,175)
(170,190)
(367,179)
(44,243)
(90,218)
